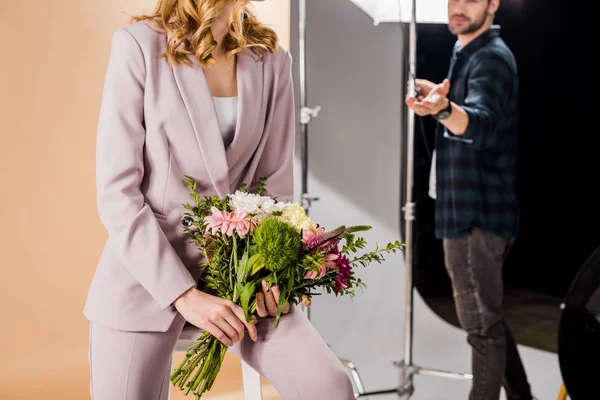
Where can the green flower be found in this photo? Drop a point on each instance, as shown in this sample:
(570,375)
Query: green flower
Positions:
(278,244)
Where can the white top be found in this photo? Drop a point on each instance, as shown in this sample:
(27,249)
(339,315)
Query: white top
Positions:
(227,108)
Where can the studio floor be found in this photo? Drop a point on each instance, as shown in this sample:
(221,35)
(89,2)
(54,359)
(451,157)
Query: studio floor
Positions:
(533,317)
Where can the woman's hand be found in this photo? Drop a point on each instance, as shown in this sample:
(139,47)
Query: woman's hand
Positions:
(267,301)
(221,318)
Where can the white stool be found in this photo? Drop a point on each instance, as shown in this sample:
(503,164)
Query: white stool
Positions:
(250,378)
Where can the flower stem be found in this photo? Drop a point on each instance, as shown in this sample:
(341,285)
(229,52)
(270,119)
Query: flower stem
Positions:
(235,264)
(176,372)
(201,365)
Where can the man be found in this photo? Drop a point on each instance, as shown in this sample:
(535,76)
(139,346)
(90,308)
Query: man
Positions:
(476,213)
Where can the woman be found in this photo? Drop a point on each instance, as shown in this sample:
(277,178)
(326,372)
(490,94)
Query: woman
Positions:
(198,88)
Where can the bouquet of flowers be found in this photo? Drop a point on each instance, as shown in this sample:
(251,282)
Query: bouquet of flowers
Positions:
(249,237)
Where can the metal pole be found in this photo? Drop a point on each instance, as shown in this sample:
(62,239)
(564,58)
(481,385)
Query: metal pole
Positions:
(303,125)
(409,208)
(408,370)
(306,114)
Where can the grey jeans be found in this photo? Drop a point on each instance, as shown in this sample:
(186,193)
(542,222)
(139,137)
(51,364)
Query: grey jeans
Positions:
(474,263)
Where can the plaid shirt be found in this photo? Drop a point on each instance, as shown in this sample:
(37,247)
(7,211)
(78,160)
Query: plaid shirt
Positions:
(475,173)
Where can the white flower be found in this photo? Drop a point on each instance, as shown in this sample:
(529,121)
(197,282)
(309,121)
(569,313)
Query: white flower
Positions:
(295,215)
(277,206)
(254,204)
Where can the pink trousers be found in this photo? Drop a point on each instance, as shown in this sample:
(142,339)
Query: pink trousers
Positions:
(293,358)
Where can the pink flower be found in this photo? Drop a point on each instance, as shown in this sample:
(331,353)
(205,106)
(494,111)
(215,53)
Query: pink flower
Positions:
(321,240)
(330,263)
(344,273)
(334,261)
(309,234)
(229,222)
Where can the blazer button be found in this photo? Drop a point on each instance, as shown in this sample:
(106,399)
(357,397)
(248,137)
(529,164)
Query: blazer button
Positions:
(187,221)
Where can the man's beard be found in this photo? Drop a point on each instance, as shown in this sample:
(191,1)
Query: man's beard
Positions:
(469,27)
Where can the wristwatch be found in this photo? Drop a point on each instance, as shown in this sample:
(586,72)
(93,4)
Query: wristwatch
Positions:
(445,113)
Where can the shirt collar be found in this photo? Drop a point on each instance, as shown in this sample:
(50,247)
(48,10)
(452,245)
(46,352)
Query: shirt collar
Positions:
(477,43)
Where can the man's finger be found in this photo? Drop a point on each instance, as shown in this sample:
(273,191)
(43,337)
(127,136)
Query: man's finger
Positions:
(418,107)
(420,110)
(444,88)
(424,83)
(432,102)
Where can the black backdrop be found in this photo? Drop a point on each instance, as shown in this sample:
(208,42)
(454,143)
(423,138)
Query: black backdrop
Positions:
(558,173)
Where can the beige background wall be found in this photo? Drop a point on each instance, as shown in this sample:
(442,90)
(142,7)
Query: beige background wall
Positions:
(54,56)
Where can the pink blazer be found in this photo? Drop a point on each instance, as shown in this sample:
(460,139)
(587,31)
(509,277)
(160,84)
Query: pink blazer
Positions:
(158,123)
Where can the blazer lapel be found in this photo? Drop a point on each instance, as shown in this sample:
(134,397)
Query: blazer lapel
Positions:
(250,98)
(198,101)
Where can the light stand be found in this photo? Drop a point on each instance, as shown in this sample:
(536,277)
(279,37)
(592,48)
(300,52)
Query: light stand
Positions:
(408,369)
(306,114)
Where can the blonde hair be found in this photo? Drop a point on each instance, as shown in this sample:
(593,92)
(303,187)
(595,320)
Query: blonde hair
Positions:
(188,23)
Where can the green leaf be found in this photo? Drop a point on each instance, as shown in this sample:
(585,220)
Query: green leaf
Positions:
(247,294)
(283,298)
(255,264)
(290,286)
(261,186)
(242,274)
(358,228)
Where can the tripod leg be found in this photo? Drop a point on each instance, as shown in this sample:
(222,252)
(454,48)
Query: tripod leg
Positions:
(407,387)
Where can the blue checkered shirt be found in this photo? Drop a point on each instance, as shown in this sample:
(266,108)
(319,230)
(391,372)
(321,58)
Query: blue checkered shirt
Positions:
(475,172)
